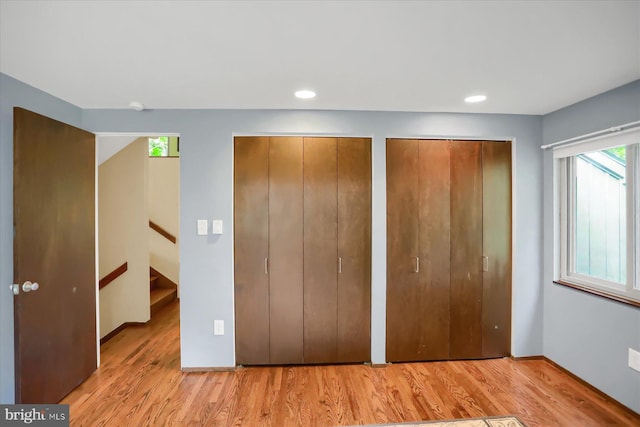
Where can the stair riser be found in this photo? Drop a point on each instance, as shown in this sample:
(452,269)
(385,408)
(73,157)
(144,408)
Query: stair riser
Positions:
(162,302)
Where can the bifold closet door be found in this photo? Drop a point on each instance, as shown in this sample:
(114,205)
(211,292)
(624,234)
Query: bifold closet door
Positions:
(302,213)
(337,250)
(435,257)
(455,302)
(251,236)
(320,250)
(496,295)
(268,250)
(404,297)
(466,250)
(418,232)
(354,249)
(285,258)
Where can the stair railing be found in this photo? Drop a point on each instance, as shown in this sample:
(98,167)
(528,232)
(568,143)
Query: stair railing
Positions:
(112,276)
(164,233)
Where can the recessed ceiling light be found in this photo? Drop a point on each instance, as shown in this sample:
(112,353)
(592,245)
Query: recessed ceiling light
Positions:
(305,94)
(475,98)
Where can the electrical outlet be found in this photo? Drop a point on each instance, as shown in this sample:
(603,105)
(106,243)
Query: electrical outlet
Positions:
(218,327)
(634,359)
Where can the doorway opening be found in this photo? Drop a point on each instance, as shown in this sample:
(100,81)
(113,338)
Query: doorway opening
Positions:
(138,228)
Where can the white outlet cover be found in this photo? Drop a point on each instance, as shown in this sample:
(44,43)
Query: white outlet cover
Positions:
(634,359)
(218,327)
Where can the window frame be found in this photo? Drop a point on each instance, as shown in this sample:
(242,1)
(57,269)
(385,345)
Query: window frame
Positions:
(629,292)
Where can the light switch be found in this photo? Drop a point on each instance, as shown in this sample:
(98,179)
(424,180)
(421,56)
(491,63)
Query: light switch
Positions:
(216,226)
(203,227)
(634,359)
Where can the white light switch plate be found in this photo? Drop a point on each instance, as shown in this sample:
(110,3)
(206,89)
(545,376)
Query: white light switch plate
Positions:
(216,226)
(634,359)
(203,227)
(218,327)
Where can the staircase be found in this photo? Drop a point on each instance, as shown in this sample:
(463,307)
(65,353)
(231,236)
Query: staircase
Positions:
(162,291)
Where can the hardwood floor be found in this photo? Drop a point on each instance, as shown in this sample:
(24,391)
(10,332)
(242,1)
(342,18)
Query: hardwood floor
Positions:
(140,383)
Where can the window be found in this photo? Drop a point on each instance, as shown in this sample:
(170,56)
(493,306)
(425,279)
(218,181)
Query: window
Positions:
(159,147)
(164,146)
(599,190)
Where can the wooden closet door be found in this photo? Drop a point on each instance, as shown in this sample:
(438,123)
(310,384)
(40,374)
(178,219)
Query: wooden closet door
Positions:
(354,249)
(251,237)
(466,250)
(435,256)
(285,264)
(403,295)
(496,297)
(320,250)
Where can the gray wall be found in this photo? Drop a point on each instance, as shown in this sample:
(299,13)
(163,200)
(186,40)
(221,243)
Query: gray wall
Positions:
(15,93)
(206,263)
(585,334)
(206,191)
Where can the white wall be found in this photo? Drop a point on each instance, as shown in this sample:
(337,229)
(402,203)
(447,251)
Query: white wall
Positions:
(589,335)
(123,223)
(108,145)
(164,210)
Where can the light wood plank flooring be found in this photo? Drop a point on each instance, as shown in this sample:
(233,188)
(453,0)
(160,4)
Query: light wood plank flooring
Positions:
(140,383)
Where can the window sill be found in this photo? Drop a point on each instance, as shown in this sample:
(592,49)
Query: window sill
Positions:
(603,294)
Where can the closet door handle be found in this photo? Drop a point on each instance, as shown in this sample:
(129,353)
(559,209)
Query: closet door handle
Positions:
(417,264)
(266,265)
(485,263)
(339,265)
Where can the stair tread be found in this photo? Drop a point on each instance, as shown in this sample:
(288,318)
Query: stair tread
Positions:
(157,294)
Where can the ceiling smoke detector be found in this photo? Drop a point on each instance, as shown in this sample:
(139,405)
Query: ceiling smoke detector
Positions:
(135,105)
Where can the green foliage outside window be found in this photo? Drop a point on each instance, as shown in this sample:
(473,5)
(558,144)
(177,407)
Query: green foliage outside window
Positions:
(619,152)
(159,147)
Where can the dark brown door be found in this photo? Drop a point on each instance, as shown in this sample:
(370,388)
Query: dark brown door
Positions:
(54,245)
(354,250)
(496,206)
(251,236)
(285,250)
(435,257)
(418,215)
(466,250)
(404,315)
(450,308)
(320,250)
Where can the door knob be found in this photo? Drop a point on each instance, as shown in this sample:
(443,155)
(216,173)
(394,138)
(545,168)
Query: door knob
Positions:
(28,286)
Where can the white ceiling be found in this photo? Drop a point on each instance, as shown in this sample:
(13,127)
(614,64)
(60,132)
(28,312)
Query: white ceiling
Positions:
(529,57)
